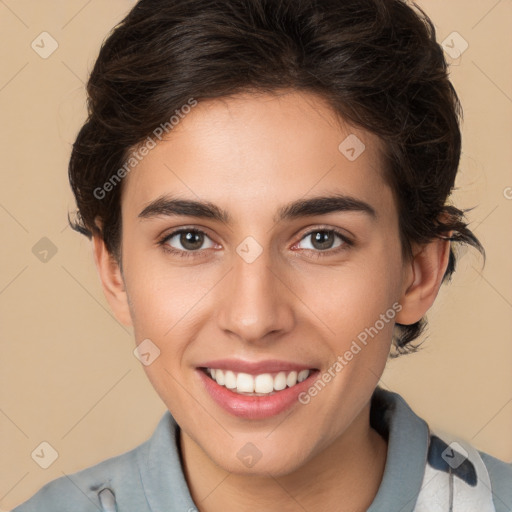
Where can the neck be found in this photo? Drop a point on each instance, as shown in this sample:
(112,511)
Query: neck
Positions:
(344,477)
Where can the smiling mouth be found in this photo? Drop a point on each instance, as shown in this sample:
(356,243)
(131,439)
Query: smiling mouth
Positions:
(264,384)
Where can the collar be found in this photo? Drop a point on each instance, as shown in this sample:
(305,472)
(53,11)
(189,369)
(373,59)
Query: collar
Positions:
(408,438)
(165,486)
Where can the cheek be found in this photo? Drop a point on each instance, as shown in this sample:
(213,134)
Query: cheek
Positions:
(160,293)
(167,304)
(351,298)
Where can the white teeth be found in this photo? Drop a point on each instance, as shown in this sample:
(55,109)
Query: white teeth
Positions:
(219,377)
(245,383)
(280,381)
(303,375)
(291,380)
(230,380)
(264,383)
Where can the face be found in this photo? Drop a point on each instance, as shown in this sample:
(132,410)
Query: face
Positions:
(255,280)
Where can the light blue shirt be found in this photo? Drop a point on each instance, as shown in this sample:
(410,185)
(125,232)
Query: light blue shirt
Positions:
(150,477)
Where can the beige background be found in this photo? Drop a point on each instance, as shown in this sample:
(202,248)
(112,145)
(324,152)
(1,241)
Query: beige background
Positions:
(68,374)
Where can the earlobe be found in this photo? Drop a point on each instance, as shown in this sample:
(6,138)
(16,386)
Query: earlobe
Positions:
(112,281)
(423,279)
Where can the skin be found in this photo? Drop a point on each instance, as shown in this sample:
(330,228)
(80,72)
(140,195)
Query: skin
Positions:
(250,155)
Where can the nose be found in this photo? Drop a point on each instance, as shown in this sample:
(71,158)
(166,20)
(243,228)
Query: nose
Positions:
(257,302)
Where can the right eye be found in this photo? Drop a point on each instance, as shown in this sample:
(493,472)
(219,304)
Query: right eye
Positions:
(190,240)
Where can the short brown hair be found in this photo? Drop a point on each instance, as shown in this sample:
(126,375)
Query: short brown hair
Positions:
(376,62)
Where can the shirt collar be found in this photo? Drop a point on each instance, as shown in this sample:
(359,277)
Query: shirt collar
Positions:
(407,435)
(165,486)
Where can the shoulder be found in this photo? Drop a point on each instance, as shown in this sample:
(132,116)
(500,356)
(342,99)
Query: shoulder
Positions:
(148,477)
(439,469)
(500,476)
(458,474)
(81,491)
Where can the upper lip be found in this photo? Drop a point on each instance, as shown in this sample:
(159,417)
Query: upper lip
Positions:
(255,367)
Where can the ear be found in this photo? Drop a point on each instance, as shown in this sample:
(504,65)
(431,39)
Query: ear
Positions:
(112,281)
(423,277)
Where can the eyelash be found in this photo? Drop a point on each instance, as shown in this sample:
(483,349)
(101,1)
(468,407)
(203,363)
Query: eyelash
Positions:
(347,243)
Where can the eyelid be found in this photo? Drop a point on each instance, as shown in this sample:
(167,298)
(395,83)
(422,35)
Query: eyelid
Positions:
(342,233)
(179,231)
(346,241)
(163,240)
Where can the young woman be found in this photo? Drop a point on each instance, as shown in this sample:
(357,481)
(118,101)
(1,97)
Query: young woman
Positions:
(266,184)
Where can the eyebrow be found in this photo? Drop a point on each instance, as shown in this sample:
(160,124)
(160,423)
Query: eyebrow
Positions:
(321,205)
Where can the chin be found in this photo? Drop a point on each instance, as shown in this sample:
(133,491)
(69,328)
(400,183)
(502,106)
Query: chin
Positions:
(259,459)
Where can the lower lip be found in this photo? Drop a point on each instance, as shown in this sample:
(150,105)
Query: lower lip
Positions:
(255,407)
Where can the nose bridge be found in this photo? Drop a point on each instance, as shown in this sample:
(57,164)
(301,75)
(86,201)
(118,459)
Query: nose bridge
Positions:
(255,302)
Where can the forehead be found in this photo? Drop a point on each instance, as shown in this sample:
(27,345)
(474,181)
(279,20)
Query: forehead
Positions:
(252,150)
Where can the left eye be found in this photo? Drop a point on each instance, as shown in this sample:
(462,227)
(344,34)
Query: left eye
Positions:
(323,239)
(190,240)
